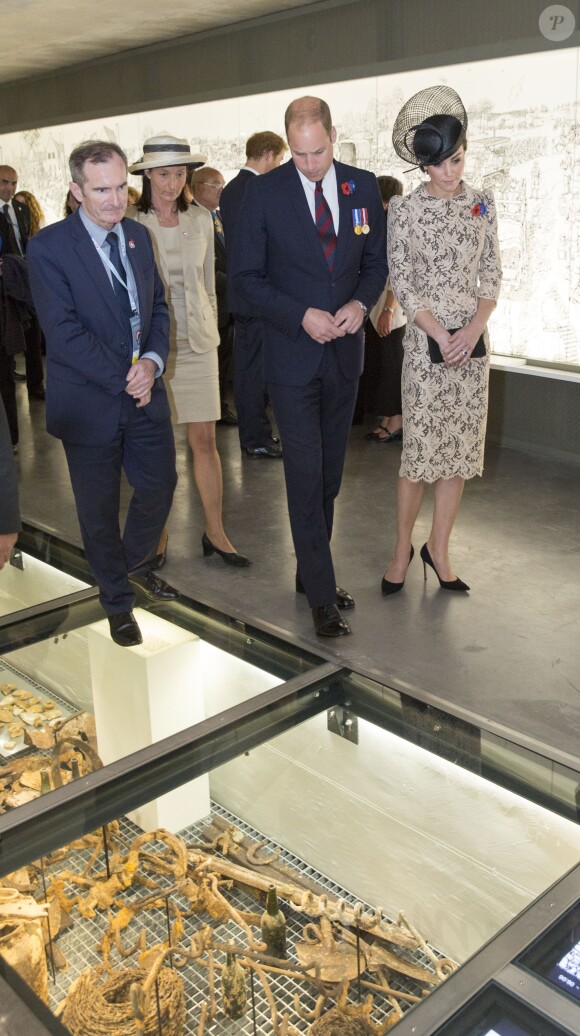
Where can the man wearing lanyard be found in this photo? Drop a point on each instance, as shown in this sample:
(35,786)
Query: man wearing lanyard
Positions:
(102,308)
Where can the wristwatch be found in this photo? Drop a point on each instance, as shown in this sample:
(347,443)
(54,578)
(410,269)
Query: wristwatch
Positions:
(362,306)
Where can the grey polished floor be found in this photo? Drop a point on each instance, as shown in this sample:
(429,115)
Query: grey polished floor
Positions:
(509,652)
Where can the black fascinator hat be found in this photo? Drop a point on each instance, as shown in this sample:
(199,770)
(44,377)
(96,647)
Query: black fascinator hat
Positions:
(430,126)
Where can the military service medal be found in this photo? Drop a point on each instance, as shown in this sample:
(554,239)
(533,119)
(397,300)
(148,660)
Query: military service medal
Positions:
(360,221)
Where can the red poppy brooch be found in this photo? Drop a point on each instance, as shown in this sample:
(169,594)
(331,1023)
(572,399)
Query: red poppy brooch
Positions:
(348,187)
(479,210)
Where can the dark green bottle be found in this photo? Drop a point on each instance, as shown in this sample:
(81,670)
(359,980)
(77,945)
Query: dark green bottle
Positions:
(234,988)
(45,782)
(274,926)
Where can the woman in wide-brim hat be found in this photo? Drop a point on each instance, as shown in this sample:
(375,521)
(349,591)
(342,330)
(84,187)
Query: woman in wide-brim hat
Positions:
(445,271)
(183,241)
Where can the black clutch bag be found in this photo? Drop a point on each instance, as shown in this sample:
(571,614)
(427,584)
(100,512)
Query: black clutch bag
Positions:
(435,352)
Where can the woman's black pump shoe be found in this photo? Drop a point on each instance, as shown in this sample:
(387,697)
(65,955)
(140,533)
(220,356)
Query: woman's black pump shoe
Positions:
(393,588)
(449,584)
(230,557)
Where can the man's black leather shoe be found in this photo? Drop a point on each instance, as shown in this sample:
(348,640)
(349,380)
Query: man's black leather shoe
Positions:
(328,622)
(271,449)
(155,588)
(344,601)
(124,629)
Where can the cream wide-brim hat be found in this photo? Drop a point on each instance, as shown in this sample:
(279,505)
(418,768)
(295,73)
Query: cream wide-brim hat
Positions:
(166,150)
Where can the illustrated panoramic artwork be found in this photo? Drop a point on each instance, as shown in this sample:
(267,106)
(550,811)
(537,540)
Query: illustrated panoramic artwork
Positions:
(523,144)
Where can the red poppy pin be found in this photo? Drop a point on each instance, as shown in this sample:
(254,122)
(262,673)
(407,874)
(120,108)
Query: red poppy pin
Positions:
(131,243)
(348,187)
(479,210)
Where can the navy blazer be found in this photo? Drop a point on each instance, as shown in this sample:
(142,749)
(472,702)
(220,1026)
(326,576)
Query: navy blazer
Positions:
(22,213)
(88,355)
(278,266)
(230,205)
(9,511)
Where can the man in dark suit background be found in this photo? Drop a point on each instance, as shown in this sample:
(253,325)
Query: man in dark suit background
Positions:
(102,307)
(9,513)
(264,151)
(206,186)
(14,236)
(309,257)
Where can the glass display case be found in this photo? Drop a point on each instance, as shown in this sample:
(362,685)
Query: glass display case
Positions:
(226,834)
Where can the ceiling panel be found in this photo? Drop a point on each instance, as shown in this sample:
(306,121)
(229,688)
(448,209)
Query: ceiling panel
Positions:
(43,35)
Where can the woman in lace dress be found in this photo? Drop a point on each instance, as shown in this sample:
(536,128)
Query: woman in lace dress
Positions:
(445,271)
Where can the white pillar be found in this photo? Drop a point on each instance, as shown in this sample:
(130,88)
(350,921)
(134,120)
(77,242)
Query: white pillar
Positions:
(143,694)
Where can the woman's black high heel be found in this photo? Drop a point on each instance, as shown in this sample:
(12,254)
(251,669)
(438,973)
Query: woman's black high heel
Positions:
(445,584)
(230,557)
(393,588)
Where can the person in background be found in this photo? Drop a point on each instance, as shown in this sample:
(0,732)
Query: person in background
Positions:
(264,152)
(183,237)
(9,512)
(384,333)
(36,210)
(70,204)
(15,232)
(446,273)
(206,185)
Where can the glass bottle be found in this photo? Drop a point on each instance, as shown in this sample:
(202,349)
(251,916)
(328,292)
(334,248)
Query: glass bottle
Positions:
(274,926)
(234,987)
(45,782)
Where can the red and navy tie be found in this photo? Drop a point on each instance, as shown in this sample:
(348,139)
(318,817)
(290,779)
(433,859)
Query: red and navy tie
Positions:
(324,224)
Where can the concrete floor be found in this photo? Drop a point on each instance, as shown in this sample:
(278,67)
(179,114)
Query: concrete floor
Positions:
(508,653)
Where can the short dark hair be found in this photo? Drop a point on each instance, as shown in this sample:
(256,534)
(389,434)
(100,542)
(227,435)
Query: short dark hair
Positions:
(95,152)
(308,109)
(389,186)
(144,203)
(259,144)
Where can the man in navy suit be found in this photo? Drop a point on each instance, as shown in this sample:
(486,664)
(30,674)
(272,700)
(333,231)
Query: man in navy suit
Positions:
(102,307)
(14,235)
(264,151)
(9,512)
(310,257)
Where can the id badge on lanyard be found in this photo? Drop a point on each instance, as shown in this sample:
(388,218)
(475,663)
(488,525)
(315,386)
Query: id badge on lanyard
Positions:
(136,332)
(135,319)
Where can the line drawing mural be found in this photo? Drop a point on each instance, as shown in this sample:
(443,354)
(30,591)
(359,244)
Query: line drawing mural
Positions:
(523,143)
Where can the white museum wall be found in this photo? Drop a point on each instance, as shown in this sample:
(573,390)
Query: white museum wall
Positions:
(523,143)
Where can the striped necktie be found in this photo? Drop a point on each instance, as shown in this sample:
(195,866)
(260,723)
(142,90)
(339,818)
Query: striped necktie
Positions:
(324,224)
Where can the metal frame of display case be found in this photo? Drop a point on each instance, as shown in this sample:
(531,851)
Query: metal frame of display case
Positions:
(68,813)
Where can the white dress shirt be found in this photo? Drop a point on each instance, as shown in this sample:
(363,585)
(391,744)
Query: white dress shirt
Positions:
(330,191)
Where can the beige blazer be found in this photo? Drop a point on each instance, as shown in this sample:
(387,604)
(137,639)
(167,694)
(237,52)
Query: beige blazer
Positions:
(197,249)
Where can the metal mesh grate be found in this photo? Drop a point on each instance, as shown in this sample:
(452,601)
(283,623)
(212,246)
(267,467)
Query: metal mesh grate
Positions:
(80,944)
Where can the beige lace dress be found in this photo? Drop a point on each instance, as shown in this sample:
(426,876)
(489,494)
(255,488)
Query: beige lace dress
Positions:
(443,257)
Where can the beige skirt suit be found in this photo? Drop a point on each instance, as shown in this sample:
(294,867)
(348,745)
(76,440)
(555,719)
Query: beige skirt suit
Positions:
(186,264)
